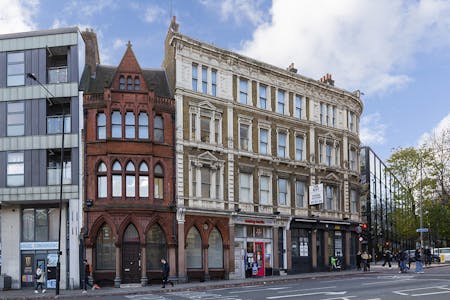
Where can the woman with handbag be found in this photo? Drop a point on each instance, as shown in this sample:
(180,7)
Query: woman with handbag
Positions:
(39,276)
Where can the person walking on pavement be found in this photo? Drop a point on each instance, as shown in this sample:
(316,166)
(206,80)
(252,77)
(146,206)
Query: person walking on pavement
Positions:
(358,260)
(39,276)
(418,255)
(87,274)
(165,268)
(387,258)
(365,260)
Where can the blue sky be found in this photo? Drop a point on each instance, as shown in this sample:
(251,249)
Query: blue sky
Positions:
(397,52)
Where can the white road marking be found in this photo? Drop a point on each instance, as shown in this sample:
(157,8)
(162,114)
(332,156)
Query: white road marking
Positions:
(261,289)
(339,298)
(146,297)
(434,293)
(388,282)
(307,294)
(439,287)
(311,289)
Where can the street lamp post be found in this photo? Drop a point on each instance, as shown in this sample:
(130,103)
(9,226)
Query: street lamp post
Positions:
(58,263)
(421,204)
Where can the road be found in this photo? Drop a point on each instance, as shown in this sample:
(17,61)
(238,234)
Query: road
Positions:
(433,284)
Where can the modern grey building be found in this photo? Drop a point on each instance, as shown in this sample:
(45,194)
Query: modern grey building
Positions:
(32,112)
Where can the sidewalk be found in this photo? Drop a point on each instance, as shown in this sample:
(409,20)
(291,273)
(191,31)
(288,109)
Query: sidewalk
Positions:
(156,288)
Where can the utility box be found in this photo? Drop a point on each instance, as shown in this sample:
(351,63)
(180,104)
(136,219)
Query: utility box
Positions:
(5,282)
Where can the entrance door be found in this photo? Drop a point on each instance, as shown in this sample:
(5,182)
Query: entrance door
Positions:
(319,250)
(259,256)
(131,263)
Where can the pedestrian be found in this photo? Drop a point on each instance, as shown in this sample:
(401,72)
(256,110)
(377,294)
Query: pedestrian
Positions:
(403,257)
(428,256)
(418,255)
(39,277)
(87,273)
(358,260)
(387,258)
(165,268)
(365,261)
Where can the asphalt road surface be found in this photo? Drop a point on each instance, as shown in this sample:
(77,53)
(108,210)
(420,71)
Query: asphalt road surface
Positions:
(433,284)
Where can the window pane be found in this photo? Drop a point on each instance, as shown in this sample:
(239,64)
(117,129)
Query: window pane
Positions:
(263,96)
(204,80)
(194,77)
(205,129)
(143,167)
(263,141)
(156,247)
(193,249)
(244,134)
(264,189)
(117,185)
(299,193)
(158,129)
(281,103)
(105,249)
(102,186)
(28,225)
(129,125)
(53,220)
(131,185)
(116,125)
(41,225)
(282,191)
(243,90)
(206,182)
(244,188)
(215,250)
(143,186)
(158,188)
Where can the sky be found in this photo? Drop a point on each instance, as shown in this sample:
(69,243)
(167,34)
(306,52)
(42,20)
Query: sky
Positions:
(396,52)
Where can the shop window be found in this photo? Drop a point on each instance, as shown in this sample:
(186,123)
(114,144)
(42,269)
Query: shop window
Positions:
(105,249)
(40,225)
(215,250)
(193,249)
(156,247)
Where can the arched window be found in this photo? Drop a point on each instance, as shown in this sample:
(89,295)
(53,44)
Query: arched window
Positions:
(158,182)
(129,83)
(143,125)
(143,180)
(130,190)
(158,129)
(130,132)
(131,235)
(155,247)
(102,186)
(193,249)
(116,124)
(137,84)
(117,179)
(215,250)
(105,249)
(121,83)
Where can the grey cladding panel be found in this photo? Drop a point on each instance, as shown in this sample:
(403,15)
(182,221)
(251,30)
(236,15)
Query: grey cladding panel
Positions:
(35,167)
(3,119)
(75,165)
(74,114)
(42,116)
(73,64)
(2,69)
(42,167)
(2,169)
(29,111)
(28,167)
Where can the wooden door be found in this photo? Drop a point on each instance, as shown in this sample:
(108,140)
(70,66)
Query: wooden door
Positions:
(131,270)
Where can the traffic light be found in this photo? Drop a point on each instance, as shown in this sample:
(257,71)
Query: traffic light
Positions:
(364,237)
(364,226)
(387,243)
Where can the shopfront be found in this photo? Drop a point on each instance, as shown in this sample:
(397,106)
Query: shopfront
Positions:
(253,248)
(34,254)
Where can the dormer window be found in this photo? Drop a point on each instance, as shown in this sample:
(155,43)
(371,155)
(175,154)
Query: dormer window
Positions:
(129,83)
(137,84)
(121,83)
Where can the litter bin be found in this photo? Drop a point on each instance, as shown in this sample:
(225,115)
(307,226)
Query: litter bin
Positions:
(5,282)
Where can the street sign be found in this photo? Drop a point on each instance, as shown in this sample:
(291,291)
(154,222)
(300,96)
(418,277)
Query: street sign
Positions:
(422,230)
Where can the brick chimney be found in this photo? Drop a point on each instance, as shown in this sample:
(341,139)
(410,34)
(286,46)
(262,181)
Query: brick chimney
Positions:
(327,79)
(91,49)
(291,68)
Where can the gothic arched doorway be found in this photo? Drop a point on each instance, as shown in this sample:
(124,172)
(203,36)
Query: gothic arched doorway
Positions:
(131,270)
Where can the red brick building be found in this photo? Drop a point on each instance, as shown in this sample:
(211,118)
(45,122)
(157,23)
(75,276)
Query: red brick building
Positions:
(129,172)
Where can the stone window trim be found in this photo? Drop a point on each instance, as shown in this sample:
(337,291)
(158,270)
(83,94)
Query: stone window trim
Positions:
(266,126)
(322,142)
(246,120)
(216,166)
(353,165)
(205,109)
(284,130)
(336,200)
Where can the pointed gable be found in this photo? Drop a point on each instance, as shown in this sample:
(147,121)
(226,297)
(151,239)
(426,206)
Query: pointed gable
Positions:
(129,76)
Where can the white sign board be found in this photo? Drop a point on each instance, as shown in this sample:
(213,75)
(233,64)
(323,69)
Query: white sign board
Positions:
(316,194)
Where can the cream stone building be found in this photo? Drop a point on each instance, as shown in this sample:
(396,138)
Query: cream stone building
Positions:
(251,140)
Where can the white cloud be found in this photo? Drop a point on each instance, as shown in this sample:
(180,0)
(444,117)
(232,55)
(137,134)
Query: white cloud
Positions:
(17,15)
(118,44)
(238,10)
(372,130)
(441,127)
(153,13)
(364,44)
(90,8)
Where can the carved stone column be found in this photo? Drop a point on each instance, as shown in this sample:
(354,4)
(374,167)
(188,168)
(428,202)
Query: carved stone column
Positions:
(144,278)
(205,263)
(118,280)
(181,245)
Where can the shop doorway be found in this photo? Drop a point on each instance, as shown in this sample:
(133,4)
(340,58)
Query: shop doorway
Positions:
(131,262)
(320,250)
(255,259)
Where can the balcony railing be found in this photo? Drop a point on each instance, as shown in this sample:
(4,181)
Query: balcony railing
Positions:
(57,74)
